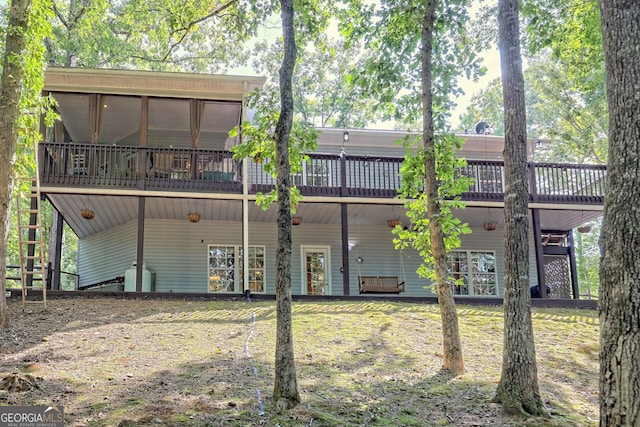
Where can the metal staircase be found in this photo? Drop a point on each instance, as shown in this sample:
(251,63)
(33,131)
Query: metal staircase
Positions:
(33,271)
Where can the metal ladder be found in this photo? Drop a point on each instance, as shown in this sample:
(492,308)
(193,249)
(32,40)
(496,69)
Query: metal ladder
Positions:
(33,271)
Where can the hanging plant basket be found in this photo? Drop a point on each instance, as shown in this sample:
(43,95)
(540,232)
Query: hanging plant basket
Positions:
(584,228)
(393,222)
(87,214)
(490,226)
(296,220)
(193,217)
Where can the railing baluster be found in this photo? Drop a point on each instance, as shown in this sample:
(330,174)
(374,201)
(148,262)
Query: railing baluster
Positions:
(189,169)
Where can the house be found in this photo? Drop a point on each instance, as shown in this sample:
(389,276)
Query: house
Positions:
(139,167)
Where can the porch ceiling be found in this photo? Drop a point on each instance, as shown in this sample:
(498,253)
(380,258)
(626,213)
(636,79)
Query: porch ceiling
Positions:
(169,121)
(111,211)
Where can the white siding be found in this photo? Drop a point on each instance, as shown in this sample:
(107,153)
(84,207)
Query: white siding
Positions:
(177,252)
(106,255)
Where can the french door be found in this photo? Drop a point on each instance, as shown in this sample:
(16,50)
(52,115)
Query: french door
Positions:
(315,270)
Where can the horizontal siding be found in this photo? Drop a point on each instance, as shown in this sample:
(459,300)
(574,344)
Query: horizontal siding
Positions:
(106,255)
(177,252)
(374,244)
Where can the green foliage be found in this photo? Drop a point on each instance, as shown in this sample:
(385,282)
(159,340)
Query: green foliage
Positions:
(32,105)
(452,184)
(571,29)
(486,106)
(325,93)
(190,35)
(575,120)
(259,142)
(323,85)
(558,111)
(393,72)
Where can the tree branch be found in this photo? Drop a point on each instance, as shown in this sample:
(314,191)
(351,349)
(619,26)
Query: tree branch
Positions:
(190,25)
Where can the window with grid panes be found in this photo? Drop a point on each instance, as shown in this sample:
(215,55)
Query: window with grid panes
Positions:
(256,268)
(222,266)
(474,272)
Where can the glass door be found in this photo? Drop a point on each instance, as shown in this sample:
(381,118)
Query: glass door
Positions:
(315,271)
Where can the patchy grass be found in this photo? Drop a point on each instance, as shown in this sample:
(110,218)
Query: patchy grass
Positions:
(114,362)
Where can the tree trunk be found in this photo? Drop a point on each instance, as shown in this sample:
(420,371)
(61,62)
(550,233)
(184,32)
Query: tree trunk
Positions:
(452,346)
(518,387)
(620,239)
(285,391)
(10,92)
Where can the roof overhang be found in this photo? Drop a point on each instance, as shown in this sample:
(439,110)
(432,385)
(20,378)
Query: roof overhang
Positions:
(151,83)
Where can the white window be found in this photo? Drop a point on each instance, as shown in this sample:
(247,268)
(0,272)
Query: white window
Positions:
(222,268)
(226,268)
(473,271)
(256,269)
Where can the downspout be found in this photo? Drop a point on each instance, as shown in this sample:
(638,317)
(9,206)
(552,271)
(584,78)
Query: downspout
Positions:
(245,195)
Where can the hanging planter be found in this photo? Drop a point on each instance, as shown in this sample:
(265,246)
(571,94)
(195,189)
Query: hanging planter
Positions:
(296,220)
(87,214)
(393,222)
(489,226)
(193,217)
(584,228)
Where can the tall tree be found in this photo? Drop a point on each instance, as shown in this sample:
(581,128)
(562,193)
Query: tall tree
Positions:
(453,358)
(413,72)
(620,240)
(285,390)
(518,387)
(20,86)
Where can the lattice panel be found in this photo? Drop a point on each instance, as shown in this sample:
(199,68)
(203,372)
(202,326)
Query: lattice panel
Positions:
(557,276)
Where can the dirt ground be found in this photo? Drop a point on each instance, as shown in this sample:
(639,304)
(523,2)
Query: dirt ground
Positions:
(116,362)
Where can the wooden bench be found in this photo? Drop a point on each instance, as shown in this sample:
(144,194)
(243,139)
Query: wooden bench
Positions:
(380,285)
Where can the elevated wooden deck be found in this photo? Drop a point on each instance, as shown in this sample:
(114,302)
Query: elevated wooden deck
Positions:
(193,170)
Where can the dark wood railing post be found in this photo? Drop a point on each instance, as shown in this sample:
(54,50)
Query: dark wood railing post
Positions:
(344,224)
(539,251)
(343,173)
(141,173)
(573,268)
(345,248)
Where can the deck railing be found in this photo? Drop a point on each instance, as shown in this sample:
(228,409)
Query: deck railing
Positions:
(187,169)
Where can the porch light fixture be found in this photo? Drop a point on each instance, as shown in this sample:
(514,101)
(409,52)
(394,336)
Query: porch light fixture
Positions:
(393,222)
(296,220)
(87,214)
(345,136)
(193,217)
(489,226)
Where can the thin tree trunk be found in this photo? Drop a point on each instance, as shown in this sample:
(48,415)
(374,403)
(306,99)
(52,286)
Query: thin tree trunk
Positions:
(285,391)
(452,346)
(518,388)
(620,238)
(10,92)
